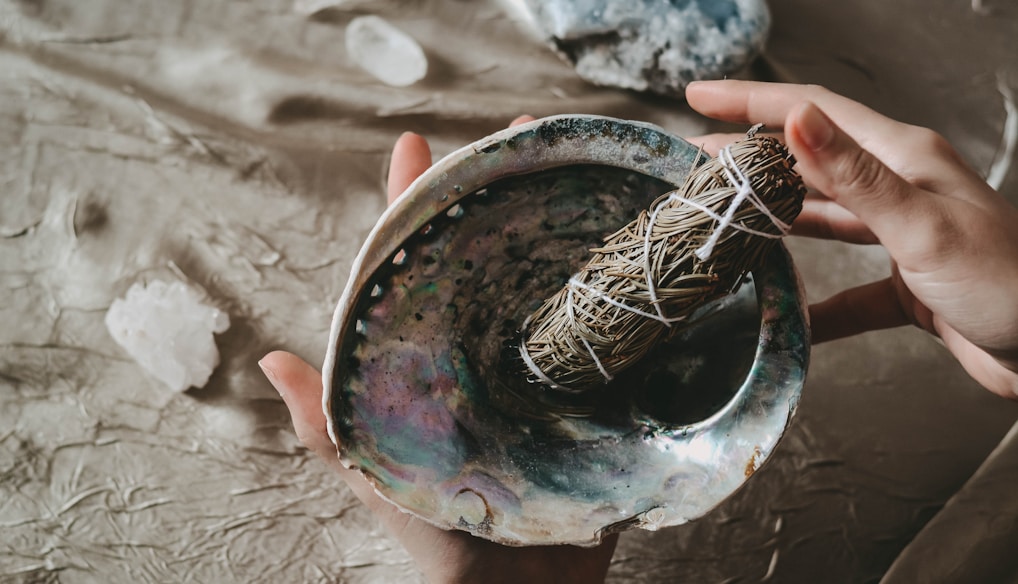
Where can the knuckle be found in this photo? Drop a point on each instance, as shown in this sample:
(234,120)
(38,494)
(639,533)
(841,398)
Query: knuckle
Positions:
(859,171)
(814,90)
(931,142)
(929,159)
(936,236)
(1010,390)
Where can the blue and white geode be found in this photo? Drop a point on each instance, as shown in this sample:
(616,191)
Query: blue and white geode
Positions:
(653,45)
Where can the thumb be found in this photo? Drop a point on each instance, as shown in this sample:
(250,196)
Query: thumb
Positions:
(300,386)
(834,163)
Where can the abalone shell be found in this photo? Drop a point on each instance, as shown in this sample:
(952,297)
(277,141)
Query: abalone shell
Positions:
(423,400)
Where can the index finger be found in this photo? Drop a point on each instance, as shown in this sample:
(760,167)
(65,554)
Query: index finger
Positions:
(756,102)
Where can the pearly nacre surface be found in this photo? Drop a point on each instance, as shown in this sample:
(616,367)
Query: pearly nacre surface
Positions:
(423,400)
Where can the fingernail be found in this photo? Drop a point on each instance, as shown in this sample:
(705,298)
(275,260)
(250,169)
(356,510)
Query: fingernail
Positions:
(270,375)
(406,134)
(521,119)
(815,128)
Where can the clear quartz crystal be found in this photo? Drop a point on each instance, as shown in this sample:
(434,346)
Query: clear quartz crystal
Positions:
(168,330)
(385,51)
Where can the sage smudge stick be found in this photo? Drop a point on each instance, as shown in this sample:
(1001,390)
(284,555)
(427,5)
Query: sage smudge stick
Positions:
(692,246)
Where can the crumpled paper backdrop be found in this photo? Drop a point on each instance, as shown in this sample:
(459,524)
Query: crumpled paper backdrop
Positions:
(232,144)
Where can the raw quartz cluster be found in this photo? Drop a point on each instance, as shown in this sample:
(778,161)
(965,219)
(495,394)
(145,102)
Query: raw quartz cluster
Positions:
(168,330)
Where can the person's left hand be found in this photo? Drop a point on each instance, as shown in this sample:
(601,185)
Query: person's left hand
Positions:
(443,556)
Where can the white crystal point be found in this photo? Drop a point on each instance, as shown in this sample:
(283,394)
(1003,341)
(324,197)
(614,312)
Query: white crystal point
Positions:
(385,51)
(168,330)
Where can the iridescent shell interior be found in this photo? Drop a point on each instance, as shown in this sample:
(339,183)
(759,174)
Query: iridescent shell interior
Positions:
(424,396)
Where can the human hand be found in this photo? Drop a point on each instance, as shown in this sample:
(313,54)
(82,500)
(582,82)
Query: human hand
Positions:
(443,556)
(952,239)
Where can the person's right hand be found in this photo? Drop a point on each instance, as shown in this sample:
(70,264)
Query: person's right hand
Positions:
(952,239)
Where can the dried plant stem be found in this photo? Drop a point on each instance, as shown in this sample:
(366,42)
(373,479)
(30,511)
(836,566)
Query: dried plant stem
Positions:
(648,277)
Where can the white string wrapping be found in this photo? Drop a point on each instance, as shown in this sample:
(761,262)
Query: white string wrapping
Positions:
(745,191)
(576,284)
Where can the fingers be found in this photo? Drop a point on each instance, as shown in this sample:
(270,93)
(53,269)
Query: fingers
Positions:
(300,386)
(752,102)
(917,154)
(867,199)
(985,369)
(411,156)
(820,218)
(857,310)
(850,176)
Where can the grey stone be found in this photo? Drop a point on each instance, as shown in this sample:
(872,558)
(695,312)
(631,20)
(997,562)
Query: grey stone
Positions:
(653,45)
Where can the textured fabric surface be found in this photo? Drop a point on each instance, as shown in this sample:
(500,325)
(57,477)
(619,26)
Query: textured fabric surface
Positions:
(231,143)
